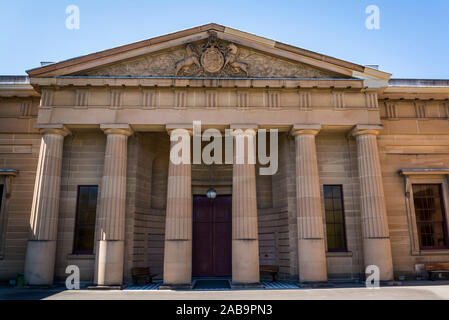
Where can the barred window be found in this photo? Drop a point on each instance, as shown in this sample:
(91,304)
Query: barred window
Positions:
(85,220)
(335,221)
(1,195)
(3,219)
(430,216)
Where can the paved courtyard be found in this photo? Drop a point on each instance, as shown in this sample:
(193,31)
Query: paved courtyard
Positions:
(406,291)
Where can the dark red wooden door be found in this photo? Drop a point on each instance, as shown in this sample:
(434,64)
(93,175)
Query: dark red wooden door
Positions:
(212,236)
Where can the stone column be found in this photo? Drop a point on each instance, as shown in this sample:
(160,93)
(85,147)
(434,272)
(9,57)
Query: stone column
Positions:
(111,216)
(311,246)
(376,238)
(178,221)
(41,249)
(245,240)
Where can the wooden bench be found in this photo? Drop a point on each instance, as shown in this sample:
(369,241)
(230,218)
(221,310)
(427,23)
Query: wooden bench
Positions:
(272,270)
(437,269)
(142,273)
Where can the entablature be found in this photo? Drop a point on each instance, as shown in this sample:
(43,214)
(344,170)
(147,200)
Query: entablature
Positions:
(206,93)
(197,82)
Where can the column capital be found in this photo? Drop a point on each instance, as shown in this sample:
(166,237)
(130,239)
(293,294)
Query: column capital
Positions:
(53,128)
(366,129)
(116,128)
(244,126)
(188,128)
(248,129)
(305,129)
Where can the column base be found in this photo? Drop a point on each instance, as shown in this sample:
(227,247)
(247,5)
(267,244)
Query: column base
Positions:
(377,251)
(239,285)
(109,263)
(179,286)
(312,261)
(178,262)
(40,263)
(245,261)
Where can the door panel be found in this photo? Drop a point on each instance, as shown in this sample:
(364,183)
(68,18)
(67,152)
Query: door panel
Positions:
(203,250)
(223,236)
(212,236)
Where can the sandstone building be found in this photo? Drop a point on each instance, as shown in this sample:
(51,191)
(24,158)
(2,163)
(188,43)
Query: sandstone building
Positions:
(86,180)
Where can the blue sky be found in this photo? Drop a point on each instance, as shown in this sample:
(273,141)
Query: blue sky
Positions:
(412,42)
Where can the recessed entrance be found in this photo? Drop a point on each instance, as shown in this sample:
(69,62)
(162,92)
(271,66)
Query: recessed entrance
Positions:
(212,237)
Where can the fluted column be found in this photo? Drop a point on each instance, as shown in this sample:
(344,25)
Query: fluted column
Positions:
(178,221)
(245,240)
(376,237)
(41,249)
(111,215)
(311,246)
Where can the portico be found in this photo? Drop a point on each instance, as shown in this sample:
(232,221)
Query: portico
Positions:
(130,103)
(177,263)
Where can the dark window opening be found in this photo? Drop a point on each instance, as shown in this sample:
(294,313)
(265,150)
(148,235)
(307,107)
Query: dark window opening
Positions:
(430,216)
(2,224)
(85,220)
(335,219)
(1,196)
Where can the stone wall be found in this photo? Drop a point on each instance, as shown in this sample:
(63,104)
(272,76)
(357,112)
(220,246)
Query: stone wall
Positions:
(337,165)
(412,138)
(82,165)
(284,203)
(410,144)
(150,199)
(19,150)
(145,225)
(274,246)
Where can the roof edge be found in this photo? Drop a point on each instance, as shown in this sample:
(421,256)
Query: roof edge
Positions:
(124,48)
(358,70)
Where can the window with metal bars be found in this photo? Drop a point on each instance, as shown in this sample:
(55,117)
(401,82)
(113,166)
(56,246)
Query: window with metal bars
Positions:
(2,223)
(86,208)
(430,216)
(1,195)
(335,220)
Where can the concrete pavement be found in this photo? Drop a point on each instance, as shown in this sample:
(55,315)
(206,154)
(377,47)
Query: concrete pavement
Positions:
(410,291)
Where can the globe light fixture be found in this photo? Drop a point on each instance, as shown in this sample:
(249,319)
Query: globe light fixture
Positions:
(211,193)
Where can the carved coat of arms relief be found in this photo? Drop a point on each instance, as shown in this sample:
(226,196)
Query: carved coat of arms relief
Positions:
(210,58)
(215,59)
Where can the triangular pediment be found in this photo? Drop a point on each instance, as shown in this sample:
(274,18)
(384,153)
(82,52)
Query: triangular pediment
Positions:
(199,61)
(209,51)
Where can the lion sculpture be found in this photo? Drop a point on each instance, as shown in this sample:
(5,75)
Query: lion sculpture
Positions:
(231,60)
(191,59)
